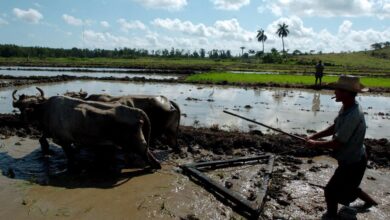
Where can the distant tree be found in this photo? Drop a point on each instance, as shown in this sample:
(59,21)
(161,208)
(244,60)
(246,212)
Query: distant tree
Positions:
(228,54)
(386,44)
(172,52)
(242,50)
(195,54)
(282,32)
(165,53)
(251,51)
(261,37)
(259,54)
(376,46)
(297,52)
(202,53)
(274,51)
(273,57)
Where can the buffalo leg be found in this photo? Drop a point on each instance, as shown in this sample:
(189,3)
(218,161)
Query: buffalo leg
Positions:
(70,154)
(145,153)
(152,160)
(44,145)
(172,140)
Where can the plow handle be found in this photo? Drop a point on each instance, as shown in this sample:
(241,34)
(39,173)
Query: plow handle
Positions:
(264,125)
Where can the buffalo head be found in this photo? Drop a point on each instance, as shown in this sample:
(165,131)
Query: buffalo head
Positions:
(26,101)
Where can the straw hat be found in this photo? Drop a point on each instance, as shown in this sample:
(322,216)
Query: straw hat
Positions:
(349,83)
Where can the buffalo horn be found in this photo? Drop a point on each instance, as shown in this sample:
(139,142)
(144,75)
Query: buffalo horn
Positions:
(13,94)
(41,91)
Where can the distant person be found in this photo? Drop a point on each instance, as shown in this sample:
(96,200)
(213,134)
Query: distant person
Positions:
(319,72)
(348,131)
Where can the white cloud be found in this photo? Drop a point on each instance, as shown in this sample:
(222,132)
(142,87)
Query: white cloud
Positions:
(306,39)
(345,27)
(72,20)
(106,40)
(329,8)
(230,4)
(230,29)
(171,5)
(183,26)
(3,22)
(128,25)
(105,24)
(36,4)
(31,15)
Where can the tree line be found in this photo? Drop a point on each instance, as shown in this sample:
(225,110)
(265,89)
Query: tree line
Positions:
(378,46)
(9,50)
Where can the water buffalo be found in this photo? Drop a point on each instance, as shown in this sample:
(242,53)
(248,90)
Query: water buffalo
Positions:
(25,101)
(163,113)
(73,121)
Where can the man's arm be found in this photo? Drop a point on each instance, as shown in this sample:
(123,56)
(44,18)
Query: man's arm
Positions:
(332,144)
(325,133)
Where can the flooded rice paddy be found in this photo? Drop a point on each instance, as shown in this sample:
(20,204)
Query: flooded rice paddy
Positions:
(292,110)
(83,72)
(33,187)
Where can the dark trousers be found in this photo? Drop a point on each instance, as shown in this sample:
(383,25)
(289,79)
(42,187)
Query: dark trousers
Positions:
(343,187)
(318,78)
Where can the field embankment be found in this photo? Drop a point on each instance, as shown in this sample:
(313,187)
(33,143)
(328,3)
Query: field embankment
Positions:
(361,63)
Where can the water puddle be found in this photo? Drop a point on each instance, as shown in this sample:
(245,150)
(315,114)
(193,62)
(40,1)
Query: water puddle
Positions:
(89,69)
(45,192)
(88,72)
(292,110)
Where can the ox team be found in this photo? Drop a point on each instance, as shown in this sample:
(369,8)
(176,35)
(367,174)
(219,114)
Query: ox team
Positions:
(129,122)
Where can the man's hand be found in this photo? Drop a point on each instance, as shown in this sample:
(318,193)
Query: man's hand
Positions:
(310,142)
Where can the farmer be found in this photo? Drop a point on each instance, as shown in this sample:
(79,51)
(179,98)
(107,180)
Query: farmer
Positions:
(319,72)
(347,133)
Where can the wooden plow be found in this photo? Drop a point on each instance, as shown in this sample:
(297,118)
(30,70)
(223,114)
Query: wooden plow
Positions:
(239,204)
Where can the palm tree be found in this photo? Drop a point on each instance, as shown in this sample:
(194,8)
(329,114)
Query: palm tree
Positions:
(242,50)
(283,32)
(261,37)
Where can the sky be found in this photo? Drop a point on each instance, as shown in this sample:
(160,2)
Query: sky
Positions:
(314,25)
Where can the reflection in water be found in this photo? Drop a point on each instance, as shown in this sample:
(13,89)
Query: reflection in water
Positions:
(28,73)
(279,95)
(316,103)
(289,110)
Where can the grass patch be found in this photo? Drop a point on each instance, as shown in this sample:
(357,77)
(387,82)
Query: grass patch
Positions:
(353,63)
(218,77)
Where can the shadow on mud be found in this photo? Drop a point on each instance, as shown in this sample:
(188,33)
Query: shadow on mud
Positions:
(98,168)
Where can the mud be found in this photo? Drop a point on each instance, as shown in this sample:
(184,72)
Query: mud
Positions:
(97,70)
(231,143)
(36,187)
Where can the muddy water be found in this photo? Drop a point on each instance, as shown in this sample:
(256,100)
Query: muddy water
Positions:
(38,190)
(292,110)
(165,194)
(117,74)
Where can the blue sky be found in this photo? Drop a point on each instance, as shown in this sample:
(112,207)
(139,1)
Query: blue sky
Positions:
(327,26)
